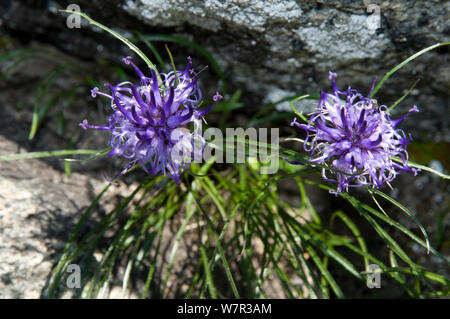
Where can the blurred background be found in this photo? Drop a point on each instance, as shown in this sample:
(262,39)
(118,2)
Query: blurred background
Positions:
(260,52)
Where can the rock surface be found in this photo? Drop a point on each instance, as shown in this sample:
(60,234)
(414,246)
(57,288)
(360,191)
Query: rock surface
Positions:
(265,46)
(38,208)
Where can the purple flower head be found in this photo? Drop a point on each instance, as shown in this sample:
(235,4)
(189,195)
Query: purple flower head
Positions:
(352,134)
(150,121)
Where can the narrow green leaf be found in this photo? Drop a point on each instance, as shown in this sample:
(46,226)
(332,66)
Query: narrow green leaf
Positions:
(422,167)
(399,66)
(195,46)
(354,229)
(172,62)
(153,49)
(19,156)
(291,104)
(209,279)
(43,87)
(411,215)
(118,36)
(403,96)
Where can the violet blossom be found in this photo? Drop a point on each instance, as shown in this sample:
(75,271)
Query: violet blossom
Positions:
(150,121)
(352,134)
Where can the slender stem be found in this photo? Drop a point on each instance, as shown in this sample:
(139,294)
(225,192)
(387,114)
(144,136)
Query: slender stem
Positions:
(13,157)
(118,36)
(396,68)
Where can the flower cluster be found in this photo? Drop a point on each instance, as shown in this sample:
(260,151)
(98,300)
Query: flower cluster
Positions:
(353,135)
(150,121)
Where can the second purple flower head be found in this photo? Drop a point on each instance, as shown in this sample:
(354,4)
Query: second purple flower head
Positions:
(351,134)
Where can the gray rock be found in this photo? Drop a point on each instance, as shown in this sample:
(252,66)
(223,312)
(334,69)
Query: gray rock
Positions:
(39,206)
(32,225)
(271,45)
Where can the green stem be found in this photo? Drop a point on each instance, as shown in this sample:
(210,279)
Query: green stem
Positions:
(396,68)
(118,36)
(13,157)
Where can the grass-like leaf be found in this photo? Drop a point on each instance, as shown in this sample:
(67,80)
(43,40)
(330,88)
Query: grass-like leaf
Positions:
(20,156)
(399,66)
(411,215)
(422,167)
(195,46)
(118,36)
(403,96)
